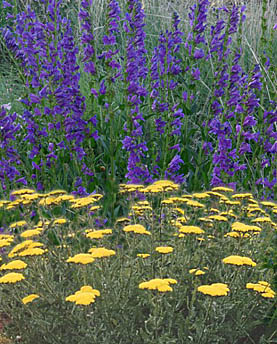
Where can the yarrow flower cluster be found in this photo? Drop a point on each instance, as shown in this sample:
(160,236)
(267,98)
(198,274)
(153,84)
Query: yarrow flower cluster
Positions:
(238,260)
(160,284)
(215,289)
(85,296)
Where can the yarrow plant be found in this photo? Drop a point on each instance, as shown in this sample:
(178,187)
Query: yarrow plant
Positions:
(175,281)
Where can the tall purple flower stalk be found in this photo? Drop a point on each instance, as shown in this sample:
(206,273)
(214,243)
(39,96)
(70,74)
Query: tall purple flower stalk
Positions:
(9,158)
(54,105)
(165,66)
(87,38)
(136,71)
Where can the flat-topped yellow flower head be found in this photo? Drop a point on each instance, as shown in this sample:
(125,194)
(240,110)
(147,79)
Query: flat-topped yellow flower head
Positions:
(241,227)
(29,298)
(197,272)
(101,252)
(98,234)
(12,277)
(160,284)
(138,229)
(18,224)
(200,195)
(27,244)
(238,260)
(195,204)
(85,296)
(22,192)
(215,289)
(60,221)
(263,288)
(35,251)
(222,188)
(191,230)
(30,233)
(143,255)
(164,249)
(14,265)
(81,258)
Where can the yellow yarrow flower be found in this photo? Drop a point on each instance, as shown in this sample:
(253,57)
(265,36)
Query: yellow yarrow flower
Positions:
(143,203)
(270,294)
(241,227)
(186,197)
(162,285)
(22,246)
(266,284)
(152,189)
(242,195)
(30,197)
(164,249)
(228,213)
(50,200)
(84,201)
(166,184)
(143,255)
(232,202)
(81,258)
(200,195)
(191,230)
(214,210)
(98,234)
(123,219)
(56,192)
(12,205)
(101,252)
(94,208)
(5,243)
(263,288)
(176,200)
(65,198)
(195,204)
(22,192)
(14,265)
(167,201)
(59,221)
(18,224)
(7,237)
(251,210)
(197,272)
(32,252)
(12,277)
(262,219)
(85,296)
(269,204)
(30,233)
(237,235)
(130,187)
(222,188)
(238,260)
(215,289)
(139,229)
(179,210)
(205,219)
(95,235)
(218,218)
(141,208)
(84,299)
(200,239)
(29,298)
(2,203)
(216,194)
